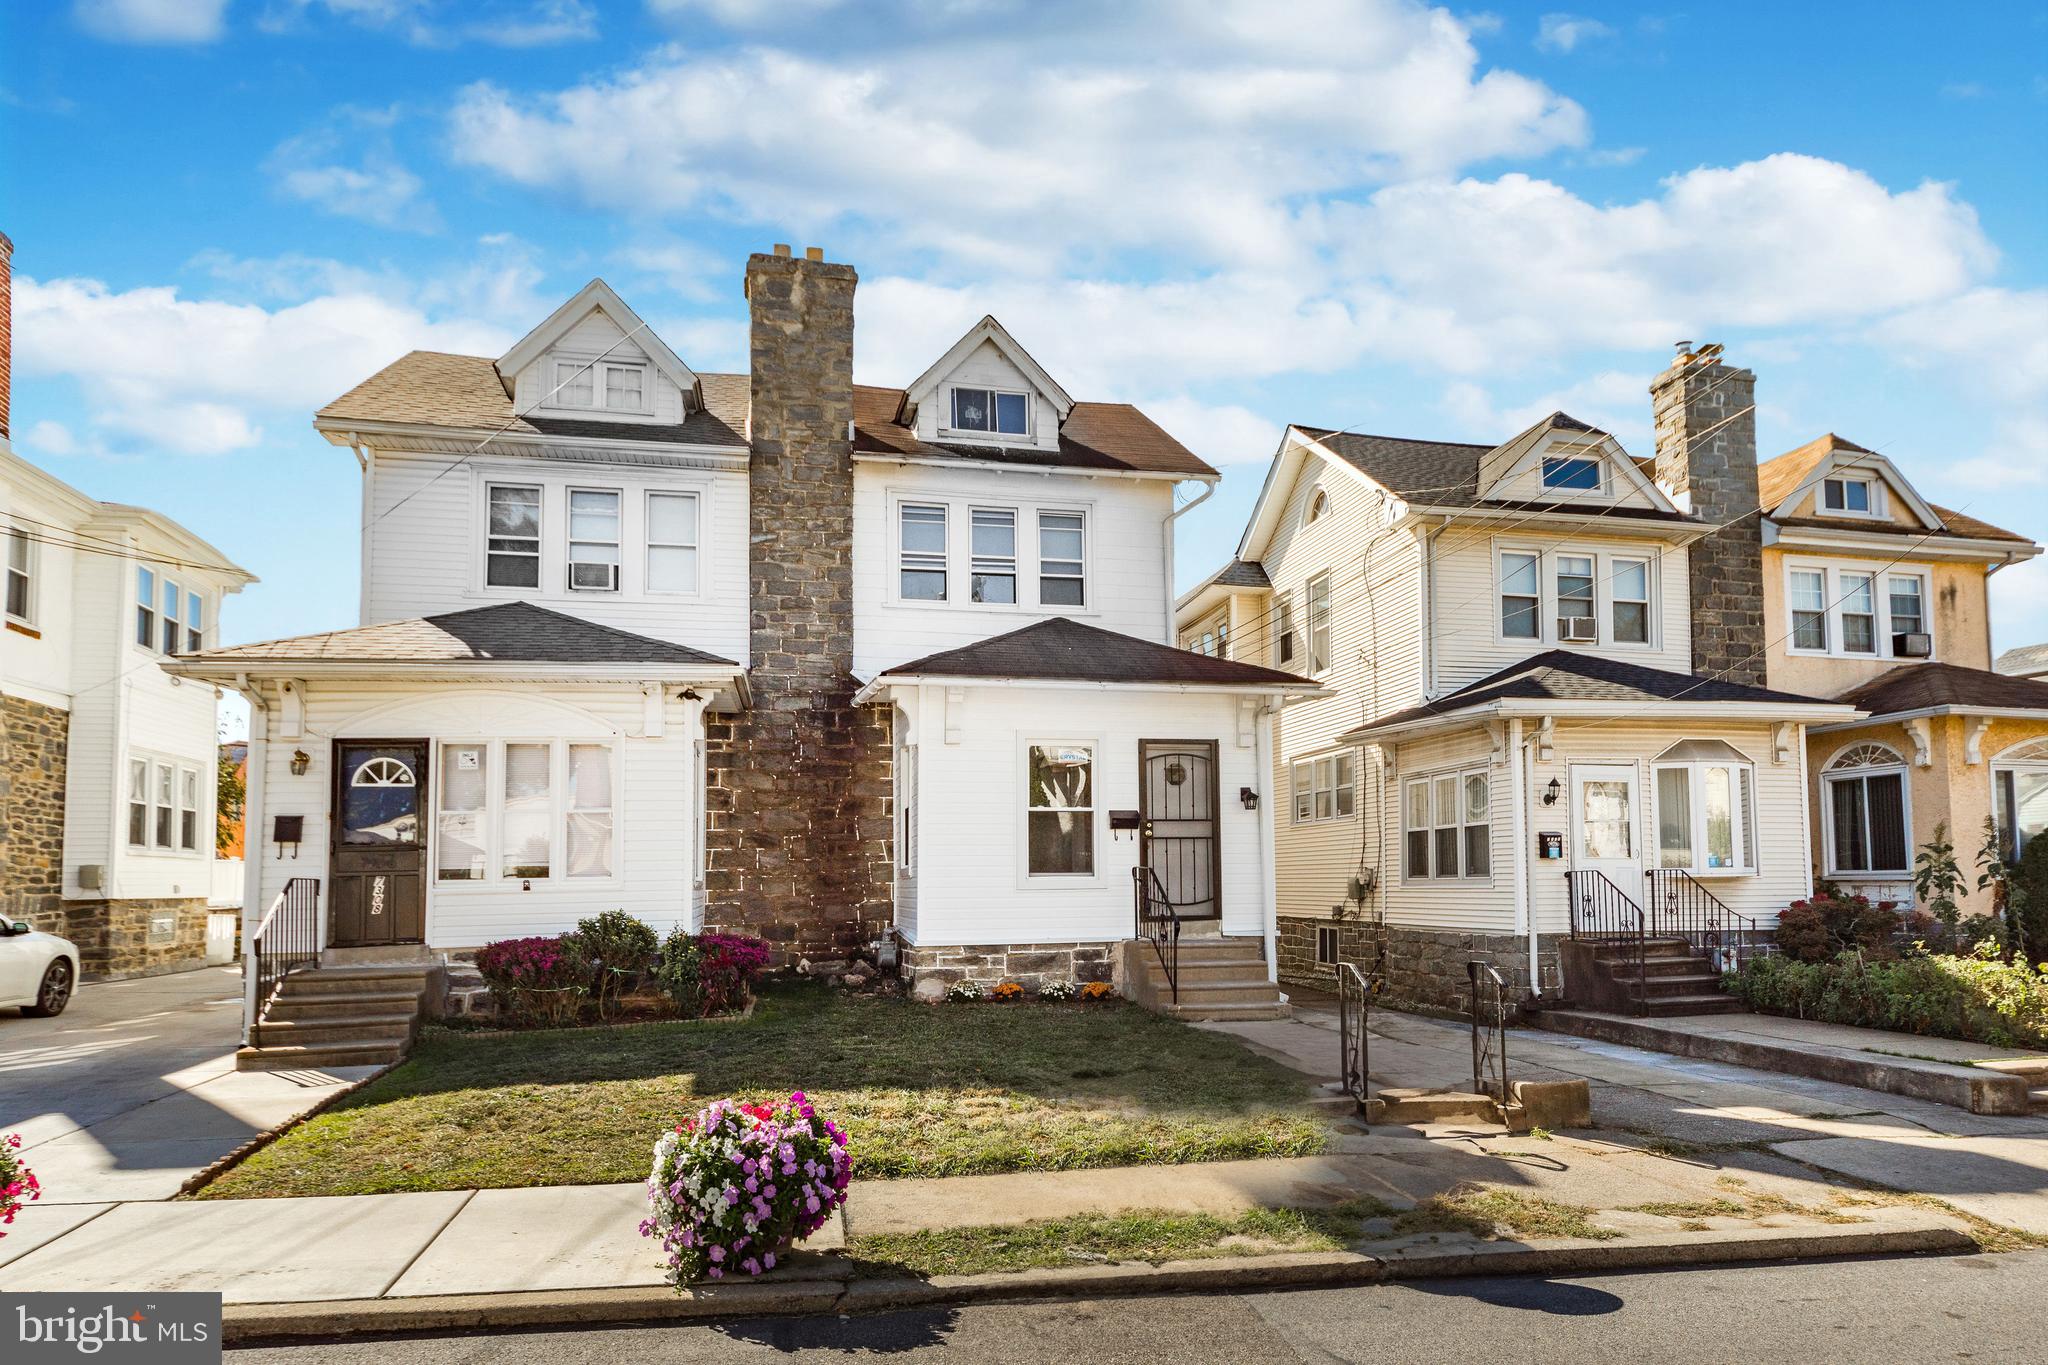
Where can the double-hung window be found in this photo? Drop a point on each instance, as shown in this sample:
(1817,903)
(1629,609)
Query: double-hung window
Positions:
(1630,607)
(1905,595)
(1283,633)
(1446,826)
(1705,815)
(923,535)
(162,778)
(992,410)
(1325,788)
(195,623)
(1865,823)
(1809,597)
(1319,623)
(1520,595)
(138,802)
(20,575)
(587,833)
(527,804)
(672,542)
(575,384)
(512,547)
(619,386)
(1575,618)
(625,387)
(1059,810)
(993,573)
(1062,559)
(1859,614)
(594,540)
(145,608)
(461,853)
(173,597)
(188,809)
(163,805)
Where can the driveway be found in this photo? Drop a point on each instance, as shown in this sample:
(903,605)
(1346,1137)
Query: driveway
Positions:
(134,1089)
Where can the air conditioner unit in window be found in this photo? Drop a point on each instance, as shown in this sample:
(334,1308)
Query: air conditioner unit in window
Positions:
(1578,630)
(593,577)
(1916,644)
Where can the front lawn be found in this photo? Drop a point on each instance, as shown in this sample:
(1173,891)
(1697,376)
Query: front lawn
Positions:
(922,1091)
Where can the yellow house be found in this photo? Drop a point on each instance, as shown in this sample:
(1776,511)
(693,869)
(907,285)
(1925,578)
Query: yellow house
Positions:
(1876,597)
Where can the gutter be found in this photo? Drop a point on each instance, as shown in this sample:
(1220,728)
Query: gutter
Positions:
(888,680)
(1839,715)
(1429,605)
(1166,535)
(1945,709)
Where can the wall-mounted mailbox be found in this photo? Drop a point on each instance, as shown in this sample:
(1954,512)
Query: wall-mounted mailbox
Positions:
(1124,822)
(287,829)
(1550,845)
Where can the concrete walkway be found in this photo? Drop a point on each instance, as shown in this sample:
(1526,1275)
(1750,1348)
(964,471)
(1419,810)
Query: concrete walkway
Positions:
(133,1089)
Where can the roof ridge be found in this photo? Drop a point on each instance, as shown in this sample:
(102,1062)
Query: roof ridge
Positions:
(1404,440)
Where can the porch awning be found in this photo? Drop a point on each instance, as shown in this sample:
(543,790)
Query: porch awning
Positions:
(1933,689)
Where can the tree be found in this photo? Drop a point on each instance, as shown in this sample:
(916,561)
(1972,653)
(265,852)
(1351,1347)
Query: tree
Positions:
(230,797)
(2009,896)
(1937,880)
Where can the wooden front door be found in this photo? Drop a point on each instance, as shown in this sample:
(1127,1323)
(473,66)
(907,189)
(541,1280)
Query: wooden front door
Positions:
(378,858)
(1177,809)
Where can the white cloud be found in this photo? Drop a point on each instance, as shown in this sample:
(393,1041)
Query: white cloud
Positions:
(1997,339)
(1616,401)
(1223,434)
(1565,32)
(152,21)
(378,191)
(2019,605)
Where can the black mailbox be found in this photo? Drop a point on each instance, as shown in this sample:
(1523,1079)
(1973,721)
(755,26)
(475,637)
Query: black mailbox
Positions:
(1123,820)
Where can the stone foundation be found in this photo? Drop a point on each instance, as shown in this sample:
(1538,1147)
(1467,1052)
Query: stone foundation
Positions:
(1419,969)
(34,740)
(118,939)
(1030,965)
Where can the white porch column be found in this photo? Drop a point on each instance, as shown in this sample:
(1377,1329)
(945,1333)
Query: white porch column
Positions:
(1269,891)
(252,845)
(693,836)
(1518,831)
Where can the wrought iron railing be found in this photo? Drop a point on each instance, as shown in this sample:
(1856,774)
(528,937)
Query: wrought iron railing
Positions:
(1602,912)
(1354,1013)
(1157,924)
(1681,907)
(287,939)
(1489,1030)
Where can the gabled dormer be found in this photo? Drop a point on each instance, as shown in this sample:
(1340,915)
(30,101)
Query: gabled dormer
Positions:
(595,359)
(1563,460)
(1831,479)
(987,390)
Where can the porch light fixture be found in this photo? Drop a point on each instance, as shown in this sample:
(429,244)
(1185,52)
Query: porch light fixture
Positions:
(1552,792)
(1249,797)
(301,760)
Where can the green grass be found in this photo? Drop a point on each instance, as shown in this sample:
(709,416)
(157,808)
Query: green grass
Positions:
(1491,1213)
(922,1091)
(1148,1235)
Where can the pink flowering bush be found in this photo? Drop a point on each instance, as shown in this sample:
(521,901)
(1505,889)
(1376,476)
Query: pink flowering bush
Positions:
(736,1185)
(17,1182)
(539,980)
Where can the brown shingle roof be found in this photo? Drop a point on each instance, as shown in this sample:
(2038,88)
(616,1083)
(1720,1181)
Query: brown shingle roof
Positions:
(1094,436)
(1067,651)
(1777,479)
(1920,687)
(509,632)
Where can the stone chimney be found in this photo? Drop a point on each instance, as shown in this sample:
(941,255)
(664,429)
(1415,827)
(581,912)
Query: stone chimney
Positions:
(1705,414)
(6,330)
(799,849)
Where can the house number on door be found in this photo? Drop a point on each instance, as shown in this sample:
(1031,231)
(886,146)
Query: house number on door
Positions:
(376,895)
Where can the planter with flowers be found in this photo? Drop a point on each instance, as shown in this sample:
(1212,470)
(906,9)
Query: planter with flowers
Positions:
(18,1183)
(735,1186)
(1006,991)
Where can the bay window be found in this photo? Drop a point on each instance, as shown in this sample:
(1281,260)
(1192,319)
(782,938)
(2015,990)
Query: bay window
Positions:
(1325,788)
(1062,559)
(1865,822)
(992,533)
(1705,796)
(526,810)
(672,542)
(512,542)
(923,549)
(1446,825)
(1059,810)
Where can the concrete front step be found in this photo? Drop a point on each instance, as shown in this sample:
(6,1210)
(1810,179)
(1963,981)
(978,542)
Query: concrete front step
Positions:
(328,980)
(1426,1106)
(290,1058)
(1665,1006)
(394,1029)
(341,1005)
(354,1014)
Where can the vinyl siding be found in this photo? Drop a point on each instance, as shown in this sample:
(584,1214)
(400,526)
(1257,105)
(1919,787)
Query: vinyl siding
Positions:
(596,335)
(987,367)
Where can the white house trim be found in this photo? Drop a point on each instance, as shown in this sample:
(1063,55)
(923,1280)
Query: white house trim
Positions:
(989,330)
(599,296)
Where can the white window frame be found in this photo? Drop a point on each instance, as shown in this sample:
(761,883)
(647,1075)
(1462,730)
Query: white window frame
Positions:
(1548,614)
(1834,594)
(991,434)
(649,544)
(1321,634)
(539,538)
(495,878)
(927,561)
(1283,632)
(18,541)
(163,806)
(2028,758)
(1611,616)
(139,775)
(195,621)
(1027,880)
(143,630)
(1085,577)
(171,617)
(600,372)
(1603,487)
(1742,815)
(1318,507)
(1326,786)
(189,784)
(1829,776)
(1328,934)
(1874,508)
(1428,781)
(1014,560)
(570,540)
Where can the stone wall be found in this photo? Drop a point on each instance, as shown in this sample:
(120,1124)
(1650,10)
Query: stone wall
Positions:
(114,939)
(33,743)
(1705,415)
(799,848)
(1418,969)
(1030,965)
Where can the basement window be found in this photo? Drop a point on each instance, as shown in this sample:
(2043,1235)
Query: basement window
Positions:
(1326,945)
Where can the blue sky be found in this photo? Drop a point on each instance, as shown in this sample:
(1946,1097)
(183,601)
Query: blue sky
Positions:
(1381,216)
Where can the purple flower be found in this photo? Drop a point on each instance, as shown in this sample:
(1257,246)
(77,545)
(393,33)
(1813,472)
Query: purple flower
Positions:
(717,1253)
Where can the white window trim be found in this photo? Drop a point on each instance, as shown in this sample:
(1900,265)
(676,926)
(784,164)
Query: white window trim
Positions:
(495,879)
(2006,763)
(177,767)
(1332,935)
(1604,568)
(1833,594)
(483,538)
(897,566)
(1877,511)
(1320,767)
(1746,864)
(648,544)
(30,570)
(1016,555)
(1832,870)
(1027,880)
(1285,646)
(1087,604)
(554,489)
(1308,618)
(1604,492)
(960,512)
(991,436)
(1318,506)
(569,540)
(1428,780)
(600,381)
(136,606)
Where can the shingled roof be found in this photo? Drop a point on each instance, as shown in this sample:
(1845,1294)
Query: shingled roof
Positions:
(1778,478)
(1562,675)
(1067,651)
(1112,436)
(509,632)
(1928,687)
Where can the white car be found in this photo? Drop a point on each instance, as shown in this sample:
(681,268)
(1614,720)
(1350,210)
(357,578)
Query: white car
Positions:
(37,970)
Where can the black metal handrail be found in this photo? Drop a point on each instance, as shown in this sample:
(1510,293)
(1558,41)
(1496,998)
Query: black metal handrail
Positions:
(1354,1013)
(1681,907)
(1489,1030)
(287,939)
(1602,912)
(1157,924)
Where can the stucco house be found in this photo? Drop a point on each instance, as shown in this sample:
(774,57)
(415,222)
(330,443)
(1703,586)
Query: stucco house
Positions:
(771,652)
(106,761)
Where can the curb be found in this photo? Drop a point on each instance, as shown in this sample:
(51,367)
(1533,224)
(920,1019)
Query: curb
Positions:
(1910,1231)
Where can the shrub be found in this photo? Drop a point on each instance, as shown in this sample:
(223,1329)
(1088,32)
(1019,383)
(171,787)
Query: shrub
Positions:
(619,949)
(1828,922)
(1057,990)
(964,990)
(736,1185)
(1976,998)
(2031,880)
(1098,990)
(18,1183)
(712,973)
(1007,990)
(536,980)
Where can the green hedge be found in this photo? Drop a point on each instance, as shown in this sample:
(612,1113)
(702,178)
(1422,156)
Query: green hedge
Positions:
(1979,998)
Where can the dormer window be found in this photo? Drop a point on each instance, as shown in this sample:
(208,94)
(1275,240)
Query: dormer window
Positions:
(607,384)
(1572,473)
(992,410)
(1849,494)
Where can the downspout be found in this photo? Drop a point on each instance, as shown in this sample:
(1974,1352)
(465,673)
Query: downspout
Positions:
(355,443)
(1429,606)
(1269,893)
(700,769)
(252,837)
(1518,830)
(1166,533)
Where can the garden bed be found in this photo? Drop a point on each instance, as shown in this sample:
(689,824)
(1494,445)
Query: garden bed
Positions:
(921,1091)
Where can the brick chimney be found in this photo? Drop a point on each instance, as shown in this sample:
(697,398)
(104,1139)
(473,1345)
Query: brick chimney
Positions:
(6,329)
(1705,414)
(799,850)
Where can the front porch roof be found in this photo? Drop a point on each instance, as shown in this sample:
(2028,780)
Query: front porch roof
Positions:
(1559,682)
(503,639)
(1933,689)
(1064,651)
